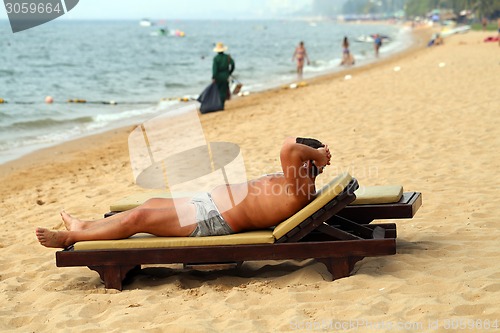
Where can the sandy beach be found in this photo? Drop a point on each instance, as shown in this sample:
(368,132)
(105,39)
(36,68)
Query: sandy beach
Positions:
(426,119)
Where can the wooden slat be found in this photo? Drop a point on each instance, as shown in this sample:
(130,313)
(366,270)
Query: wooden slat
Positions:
(311,223)
(227,253)
(336,233)
(352,227)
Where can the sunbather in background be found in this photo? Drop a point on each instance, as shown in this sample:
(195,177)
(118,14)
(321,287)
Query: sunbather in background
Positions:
(266,202)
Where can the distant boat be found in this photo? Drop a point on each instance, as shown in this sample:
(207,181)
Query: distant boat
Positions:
(160,32)
(365,39)
(371,38)
(146,23)
(166,32)
(455,30)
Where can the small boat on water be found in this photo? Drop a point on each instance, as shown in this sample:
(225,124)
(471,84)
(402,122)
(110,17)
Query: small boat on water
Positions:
(365,39)
(146,23)
(166,32)
(447,31)
(371,38)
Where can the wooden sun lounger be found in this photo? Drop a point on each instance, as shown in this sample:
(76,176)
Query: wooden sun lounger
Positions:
(323,233)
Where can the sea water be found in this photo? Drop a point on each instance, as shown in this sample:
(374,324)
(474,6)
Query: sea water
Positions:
(128,74)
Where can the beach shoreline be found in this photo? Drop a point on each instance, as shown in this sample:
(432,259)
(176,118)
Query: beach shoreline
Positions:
(29,124)
(427,120)
(420,38)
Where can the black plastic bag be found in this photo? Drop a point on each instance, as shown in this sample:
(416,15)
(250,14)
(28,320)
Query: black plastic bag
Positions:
(210,99)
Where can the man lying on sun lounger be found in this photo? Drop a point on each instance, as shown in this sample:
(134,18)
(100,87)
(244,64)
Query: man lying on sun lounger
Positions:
(266,202)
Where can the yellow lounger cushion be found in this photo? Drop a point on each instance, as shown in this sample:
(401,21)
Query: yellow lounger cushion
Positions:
(327,193)
(378,194)
(142,241)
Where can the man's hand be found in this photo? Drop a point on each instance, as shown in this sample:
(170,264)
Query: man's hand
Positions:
(324,157)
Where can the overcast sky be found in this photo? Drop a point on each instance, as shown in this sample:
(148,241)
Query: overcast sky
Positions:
(180,9)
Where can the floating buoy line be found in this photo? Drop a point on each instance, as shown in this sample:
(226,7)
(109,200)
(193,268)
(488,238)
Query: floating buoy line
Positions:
(49,100)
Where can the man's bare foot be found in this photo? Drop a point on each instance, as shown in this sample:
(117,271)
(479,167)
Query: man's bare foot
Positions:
(72,223)
(51,238)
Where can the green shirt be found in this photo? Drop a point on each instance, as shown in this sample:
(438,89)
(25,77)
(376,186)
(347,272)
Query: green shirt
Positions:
(222,67)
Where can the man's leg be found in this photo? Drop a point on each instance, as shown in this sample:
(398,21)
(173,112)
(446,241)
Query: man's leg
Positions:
(157,221)
(75,224)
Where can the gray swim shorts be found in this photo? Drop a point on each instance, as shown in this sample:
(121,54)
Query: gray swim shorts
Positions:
(209,221)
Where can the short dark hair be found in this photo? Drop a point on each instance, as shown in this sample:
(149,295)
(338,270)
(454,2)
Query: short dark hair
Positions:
(313,143)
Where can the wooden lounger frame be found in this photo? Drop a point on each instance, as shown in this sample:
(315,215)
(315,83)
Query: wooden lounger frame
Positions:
(327,235)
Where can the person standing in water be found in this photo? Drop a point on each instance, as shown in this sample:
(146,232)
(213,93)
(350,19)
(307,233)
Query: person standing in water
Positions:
(300,55)
(347,58)
(377,44)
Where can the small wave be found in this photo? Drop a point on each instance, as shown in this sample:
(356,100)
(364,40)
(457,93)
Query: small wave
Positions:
(7,72)
(60,65)
(48,122)
(103,120)
(175,85)
(184,64)
(324,65)
(32,141)
(5,115)
(156,64)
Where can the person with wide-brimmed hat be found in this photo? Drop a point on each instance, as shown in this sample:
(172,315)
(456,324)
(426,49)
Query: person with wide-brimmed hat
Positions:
(222,68)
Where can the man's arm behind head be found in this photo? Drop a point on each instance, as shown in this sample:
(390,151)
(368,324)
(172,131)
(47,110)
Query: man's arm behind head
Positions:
(296,151)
